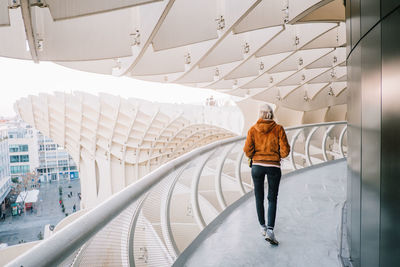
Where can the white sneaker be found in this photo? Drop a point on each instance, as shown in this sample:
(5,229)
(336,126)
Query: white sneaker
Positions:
(263,230)
(270,237)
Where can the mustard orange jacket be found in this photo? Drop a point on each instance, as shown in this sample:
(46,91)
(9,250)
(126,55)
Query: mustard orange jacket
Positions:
(266,142)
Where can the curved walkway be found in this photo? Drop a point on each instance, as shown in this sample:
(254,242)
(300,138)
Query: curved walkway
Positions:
(307,225)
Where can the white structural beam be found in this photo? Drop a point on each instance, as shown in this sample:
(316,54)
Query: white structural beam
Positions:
(30,38)
(4,15)
(76,8)
(246,48)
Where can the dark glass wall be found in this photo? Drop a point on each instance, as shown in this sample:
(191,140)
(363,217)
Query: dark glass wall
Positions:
(390,171)
(373,32)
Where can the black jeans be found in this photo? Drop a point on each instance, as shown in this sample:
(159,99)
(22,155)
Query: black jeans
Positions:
(274,177)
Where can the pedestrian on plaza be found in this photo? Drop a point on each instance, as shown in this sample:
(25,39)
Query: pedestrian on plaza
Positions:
(59,202)
(266,144)
(71,193)
(74,208)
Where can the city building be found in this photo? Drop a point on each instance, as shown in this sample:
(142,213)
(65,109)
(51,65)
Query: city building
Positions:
(23,148)
(32,152)
(54,162)
(5,177)
(322,63)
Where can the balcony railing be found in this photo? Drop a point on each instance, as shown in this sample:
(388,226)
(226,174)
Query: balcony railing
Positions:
(152,221)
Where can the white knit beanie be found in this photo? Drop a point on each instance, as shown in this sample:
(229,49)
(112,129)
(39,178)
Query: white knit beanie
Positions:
(266,112)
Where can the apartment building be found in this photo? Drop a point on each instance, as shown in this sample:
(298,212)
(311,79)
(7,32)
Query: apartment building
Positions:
(5,178)
(31,151)
(54,161)
(23,148)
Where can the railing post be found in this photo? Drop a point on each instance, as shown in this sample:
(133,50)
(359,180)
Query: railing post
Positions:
(165,218)
(132,228)
(292,143)
(341,140)
(324,141)
(238,173)
(218,182)
(77,259)
(194,191)
(307,145)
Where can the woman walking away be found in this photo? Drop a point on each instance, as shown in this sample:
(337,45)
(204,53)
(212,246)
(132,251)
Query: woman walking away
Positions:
(266,145)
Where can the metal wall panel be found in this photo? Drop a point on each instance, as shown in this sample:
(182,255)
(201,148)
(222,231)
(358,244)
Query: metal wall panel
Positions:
(374,131)
(388,6)
(355,21)
(370,14)
(370,146)
(390,170)
(348,28)
(354,153)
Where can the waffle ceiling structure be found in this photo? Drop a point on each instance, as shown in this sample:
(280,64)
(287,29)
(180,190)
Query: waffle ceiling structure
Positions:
(288,52)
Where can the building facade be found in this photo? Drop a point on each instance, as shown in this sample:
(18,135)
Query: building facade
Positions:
(5,178)
(23,148)
(54,162)
(32,152)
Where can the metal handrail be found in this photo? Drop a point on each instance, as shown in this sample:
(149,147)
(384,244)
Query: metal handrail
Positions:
(59,246)
(62,244)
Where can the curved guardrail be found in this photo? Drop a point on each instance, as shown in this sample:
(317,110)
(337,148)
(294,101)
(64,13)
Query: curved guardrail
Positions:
(150,222)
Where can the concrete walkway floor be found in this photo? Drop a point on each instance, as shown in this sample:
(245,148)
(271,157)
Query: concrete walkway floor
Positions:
(307,225)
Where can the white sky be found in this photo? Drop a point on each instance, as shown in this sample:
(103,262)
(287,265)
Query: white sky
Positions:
(19,78)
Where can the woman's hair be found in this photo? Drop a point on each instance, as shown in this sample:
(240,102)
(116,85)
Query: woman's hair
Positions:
(266,112)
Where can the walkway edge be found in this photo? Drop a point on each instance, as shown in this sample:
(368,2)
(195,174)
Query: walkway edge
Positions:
(212,227)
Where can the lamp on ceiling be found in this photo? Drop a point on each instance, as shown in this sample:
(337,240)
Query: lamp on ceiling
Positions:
(13,4)
(330,91)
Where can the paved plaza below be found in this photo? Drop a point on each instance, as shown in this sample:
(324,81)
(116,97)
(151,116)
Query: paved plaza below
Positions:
(47,210)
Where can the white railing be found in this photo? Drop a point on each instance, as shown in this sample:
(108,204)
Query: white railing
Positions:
(152,221)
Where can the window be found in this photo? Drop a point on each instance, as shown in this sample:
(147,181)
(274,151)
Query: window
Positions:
(19,169)
(14,158)
(24,158)
(51,155)
(62,154)
(19,158)
(51,163)
(51,147)
(18,148)
(54,176)
(41,148)
(15,169)
(14,148)
(62,162)
(25,168)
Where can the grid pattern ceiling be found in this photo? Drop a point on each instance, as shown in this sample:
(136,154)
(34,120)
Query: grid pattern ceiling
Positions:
(288,52)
